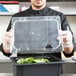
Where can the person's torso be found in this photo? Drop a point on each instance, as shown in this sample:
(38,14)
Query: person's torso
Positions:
(44,12)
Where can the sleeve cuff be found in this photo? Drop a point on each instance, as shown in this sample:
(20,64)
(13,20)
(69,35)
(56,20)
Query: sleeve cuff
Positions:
(6,54)
(69,55)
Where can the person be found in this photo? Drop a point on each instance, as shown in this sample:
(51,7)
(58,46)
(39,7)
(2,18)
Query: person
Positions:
(39,8)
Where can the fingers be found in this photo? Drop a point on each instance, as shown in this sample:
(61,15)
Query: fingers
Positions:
(7,37)
(7,41)
(66,37)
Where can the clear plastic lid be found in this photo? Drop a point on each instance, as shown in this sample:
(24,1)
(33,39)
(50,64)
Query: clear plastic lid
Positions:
(36,34)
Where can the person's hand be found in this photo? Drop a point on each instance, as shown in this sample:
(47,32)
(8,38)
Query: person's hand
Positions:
(66,40)
(7,41)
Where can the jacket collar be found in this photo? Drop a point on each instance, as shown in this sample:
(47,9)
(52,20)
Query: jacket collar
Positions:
(40,12)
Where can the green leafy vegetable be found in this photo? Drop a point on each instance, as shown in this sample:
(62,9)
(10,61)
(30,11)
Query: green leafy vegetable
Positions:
(32,60)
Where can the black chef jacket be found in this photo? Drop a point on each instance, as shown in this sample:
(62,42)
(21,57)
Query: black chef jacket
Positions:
(44,12)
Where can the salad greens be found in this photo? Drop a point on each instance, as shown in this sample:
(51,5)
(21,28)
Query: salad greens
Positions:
(32,60)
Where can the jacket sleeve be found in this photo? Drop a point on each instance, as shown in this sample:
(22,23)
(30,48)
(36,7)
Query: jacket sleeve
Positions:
(64,25)
(1,46)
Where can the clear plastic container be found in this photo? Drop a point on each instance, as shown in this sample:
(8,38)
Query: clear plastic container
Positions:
(36,34)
